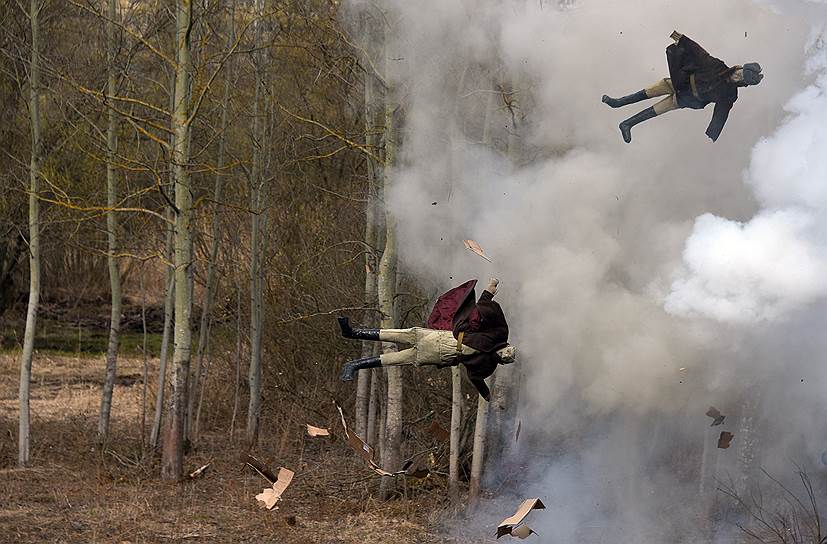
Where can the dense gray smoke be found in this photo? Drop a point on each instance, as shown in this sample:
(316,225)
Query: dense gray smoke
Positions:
(594,240)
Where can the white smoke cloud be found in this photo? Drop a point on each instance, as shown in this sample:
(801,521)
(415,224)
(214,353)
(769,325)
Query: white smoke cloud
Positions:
(774,263)
(584,229)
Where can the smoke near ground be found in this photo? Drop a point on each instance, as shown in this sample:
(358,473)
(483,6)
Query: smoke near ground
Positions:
(642,282)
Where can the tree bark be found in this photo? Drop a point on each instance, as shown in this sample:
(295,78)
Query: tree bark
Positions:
(173,450)
(209,288)
(34,240)
(386,291)
(481,426)
(164,355)
(112,233)
(456,420)
(478,455)
(364,379)
(254,375)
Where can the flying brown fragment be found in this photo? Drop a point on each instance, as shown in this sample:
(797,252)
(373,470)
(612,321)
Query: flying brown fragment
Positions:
(522,532)
(259,467)
(316,431)
(438,431)
(508,525)
(199,471)
(271,495)
(717,417)
(725,439)
(475,247)
(363,449)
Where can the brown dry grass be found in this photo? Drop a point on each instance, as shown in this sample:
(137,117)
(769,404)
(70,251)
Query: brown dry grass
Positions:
(76,492)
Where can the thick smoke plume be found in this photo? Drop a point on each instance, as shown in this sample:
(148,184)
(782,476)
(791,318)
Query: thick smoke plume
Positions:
(594,240)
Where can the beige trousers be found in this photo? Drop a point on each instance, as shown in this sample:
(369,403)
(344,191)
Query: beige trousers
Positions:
(663,88)
(427,347)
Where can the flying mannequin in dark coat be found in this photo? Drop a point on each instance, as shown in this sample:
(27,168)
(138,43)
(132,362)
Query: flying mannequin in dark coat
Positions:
(460,330)
(696,79)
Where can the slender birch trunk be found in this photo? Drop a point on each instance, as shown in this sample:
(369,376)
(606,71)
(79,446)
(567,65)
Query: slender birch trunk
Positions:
(386,291)
(146,364)
(503,394)
(237,358)
(209,288)
(169,298)
(481,426)
(364,379)
(456,420)
(456,374)
(254,375)
(173,450)
(34,240)
(112,233)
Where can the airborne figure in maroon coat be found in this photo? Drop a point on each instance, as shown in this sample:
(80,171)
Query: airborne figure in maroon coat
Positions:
(696,79)
(460,330)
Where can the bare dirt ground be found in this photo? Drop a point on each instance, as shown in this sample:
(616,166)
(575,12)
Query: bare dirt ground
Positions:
(77,492)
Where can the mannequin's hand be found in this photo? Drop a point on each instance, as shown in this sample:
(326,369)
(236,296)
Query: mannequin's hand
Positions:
(492,286)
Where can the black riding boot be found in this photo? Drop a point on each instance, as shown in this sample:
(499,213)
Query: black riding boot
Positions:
(624,100)
(358,334)
(626,126)
(350,368)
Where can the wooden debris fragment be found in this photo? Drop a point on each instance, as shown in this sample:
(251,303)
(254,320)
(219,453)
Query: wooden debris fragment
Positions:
(475,247)
(199,471)
(508,525)
(316,431)
(717,417)
(725,439)
(271,495)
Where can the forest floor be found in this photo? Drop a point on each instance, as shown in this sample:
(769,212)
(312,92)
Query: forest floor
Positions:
(78,492)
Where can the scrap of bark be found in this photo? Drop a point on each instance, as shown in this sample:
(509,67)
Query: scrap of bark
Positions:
(363,449)
(316,431)
(717,417)
(475,247)
(198,472)
(519,427)
(522,532)
(438,431)
(725,439)
(506,526)
(271,495)
(259,467)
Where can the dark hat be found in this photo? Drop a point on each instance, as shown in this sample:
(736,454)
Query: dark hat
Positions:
(752,73)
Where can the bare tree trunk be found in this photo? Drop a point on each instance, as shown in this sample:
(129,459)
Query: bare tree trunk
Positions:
(34,240)
(478,456)
(456,421)
(164,355)
(237,359)
(146,364)
(386,290)
(363,385)
(254,406)
(112,233)
(169,299)
(481,426)
(209,288)
(503,393)
(173,450)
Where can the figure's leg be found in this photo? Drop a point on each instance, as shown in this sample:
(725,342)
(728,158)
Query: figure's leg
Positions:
(662,87)
(358,334)
(398,336)
(667,104)
(396,358)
